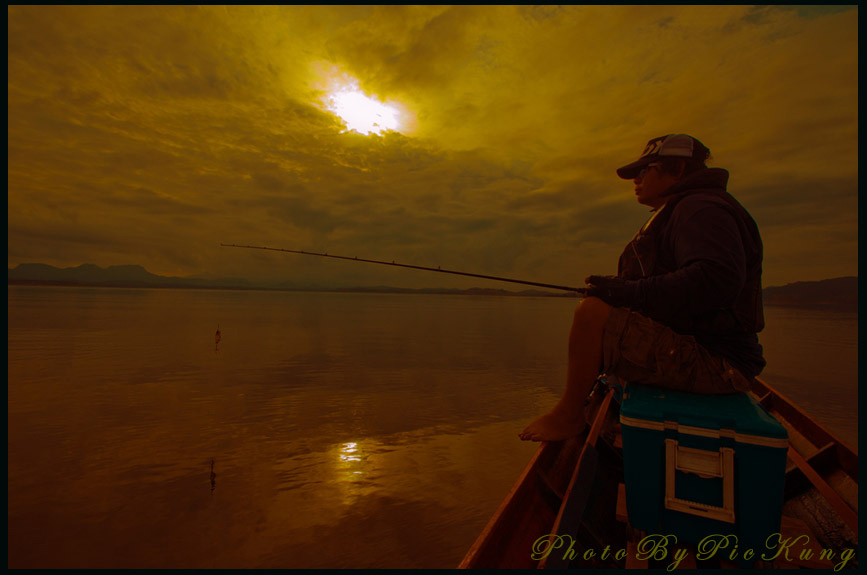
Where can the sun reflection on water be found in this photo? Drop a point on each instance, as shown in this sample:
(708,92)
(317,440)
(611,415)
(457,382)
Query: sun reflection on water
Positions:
(352,469)
(349,452)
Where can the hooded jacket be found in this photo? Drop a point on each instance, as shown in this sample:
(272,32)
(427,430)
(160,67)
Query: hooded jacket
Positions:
(698,269)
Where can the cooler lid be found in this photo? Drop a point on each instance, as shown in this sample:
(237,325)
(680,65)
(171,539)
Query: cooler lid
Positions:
(738,412)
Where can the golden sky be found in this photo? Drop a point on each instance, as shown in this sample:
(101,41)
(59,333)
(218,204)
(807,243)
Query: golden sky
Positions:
(148,135)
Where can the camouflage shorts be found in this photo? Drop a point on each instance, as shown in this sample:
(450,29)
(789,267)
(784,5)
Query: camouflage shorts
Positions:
(637,349)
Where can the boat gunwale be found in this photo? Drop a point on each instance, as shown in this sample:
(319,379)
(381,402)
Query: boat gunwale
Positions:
(846,460)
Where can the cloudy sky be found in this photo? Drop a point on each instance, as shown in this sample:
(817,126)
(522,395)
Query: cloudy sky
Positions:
(149,135)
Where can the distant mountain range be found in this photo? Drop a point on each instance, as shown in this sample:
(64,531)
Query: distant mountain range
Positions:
(838,293)
(112,276)
(137,277)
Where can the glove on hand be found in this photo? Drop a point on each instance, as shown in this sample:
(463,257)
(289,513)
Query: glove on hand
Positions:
(612,290)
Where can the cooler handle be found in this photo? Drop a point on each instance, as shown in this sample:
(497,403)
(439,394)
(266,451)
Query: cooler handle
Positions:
(705,464)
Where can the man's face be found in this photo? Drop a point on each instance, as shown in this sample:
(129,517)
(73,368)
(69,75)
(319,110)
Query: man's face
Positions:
(651,183)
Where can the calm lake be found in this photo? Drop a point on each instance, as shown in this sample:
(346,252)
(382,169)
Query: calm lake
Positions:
(343,430)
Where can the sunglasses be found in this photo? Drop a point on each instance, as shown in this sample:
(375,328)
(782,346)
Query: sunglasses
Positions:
(646,169)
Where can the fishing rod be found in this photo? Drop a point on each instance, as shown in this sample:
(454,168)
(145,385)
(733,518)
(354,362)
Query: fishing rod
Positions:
(395,264)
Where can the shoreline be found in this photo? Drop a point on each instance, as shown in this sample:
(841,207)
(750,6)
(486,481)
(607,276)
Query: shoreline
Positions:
(838,306)
(384,290)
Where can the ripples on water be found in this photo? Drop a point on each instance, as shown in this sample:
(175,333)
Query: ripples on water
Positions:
(346,430)
(813,359)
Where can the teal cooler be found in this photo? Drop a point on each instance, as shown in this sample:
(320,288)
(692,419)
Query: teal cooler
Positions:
(698,465)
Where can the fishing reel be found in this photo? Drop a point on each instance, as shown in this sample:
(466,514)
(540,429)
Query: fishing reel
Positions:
(602,384)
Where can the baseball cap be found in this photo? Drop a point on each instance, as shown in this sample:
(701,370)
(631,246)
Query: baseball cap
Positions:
(672,145)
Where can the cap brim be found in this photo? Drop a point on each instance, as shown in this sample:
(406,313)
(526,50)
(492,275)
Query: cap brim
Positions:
(630,171)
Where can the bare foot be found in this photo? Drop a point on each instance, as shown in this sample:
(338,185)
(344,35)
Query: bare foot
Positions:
(554,426)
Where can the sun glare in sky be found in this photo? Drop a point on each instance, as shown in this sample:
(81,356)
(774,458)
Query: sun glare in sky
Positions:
(362,113)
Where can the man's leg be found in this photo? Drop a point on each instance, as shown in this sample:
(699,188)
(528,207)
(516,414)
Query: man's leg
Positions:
(566,419)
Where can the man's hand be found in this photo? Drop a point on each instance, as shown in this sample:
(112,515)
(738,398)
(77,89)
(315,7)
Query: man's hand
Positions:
(612,290)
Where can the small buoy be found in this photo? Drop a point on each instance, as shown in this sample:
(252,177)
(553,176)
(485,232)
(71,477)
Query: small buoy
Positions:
(218,336)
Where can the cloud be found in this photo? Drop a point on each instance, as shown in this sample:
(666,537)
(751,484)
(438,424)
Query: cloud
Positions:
(157,132)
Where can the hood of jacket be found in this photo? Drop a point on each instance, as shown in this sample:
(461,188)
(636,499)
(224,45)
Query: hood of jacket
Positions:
(706,179)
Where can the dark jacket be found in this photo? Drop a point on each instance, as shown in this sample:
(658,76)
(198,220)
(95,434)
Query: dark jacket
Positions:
(698,267)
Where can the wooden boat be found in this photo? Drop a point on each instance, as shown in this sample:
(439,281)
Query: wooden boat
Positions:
(568,504)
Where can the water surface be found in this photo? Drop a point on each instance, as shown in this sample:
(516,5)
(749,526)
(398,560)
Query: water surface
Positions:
(345,430)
